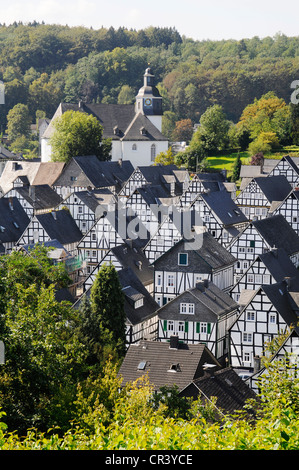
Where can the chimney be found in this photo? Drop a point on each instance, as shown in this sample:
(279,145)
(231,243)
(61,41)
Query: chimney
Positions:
(174,342)
(256,364)
(209,369)
(120,162)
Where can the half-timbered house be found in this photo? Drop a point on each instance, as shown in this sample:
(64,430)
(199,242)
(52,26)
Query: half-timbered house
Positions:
(201,314)
(35,199)
(262,194)
(201,183)
(87,206)
(88,172)
(13,222)
(289,209)
(173,179)
(174,227)
(110,229)
(268,268)
(126,255)
(140,308)
(180,269)
(288,168)
(260,236)
(270,311)
(220,215)
(55,225)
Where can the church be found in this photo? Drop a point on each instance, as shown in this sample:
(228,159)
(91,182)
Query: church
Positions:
(135,130)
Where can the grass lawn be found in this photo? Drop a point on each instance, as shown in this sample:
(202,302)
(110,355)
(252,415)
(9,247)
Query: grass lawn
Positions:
(226,162)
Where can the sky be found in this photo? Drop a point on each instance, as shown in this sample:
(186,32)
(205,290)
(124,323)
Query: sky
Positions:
(196,19)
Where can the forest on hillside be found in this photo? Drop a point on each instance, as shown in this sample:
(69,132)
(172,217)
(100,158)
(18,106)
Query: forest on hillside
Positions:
(42,65)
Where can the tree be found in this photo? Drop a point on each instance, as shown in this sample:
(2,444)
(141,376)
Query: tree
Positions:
(18,122)
(237,168)
(183,131)
(44,359)
(107,304)
(266,142)
(165,158)
(126,95)
(212,134)
(78,134)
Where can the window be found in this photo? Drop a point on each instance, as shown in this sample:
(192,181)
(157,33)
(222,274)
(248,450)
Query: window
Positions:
(247,337)
(203,328)
(170,325)
(134,147)
(181,326)
(272,318)
(246,356)
(159,280)
(153,152)
(138,303)
(80,209)
(250,316)
(251,278)
(170,280)
(183,259)
(73,178)
(94,254)
(252,243)
(187,308)
(93,236)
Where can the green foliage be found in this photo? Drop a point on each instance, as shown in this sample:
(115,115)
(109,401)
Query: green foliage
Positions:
(165,158)
(107,305)
(237,168)
(18,122)
(78,134)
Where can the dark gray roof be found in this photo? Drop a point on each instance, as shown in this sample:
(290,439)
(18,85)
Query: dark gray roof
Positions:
(210,303)
(123,223)
(225,209)
(154,194)
(13,220)
(59,225)
(282,296)
(278,233)
(97,173)
(275,188)
(141,128)
(158,359)
(155,174)
(40,197)
(224,384)
(133,257)
(95,197)
(133,290)
(279,264)
(208,258)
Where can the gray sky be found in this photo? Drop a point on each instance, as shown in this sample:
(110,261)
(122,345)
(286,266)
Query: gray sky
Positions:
(198,19)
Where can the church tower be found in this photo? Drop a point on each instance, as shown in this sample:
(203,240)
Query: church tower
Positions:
(149,100)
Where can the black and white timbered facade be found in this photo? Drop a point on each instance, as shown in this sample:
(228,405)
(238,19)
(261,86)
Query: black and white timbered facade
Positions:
(288,168)
(269,268)
(289,209)
(261,236)
(257,197)
(267,314)
(180,269)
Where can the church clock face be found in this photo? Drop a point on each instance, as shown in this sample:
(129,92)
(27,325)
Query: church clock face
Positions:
(148,102)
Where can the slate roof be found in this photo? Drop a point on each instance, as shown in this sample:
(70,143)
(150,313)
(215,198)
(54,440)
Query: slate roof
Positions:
(95,197)
(47,173)
(97,173)
(284,297)
(275,188)
(159,358)
(279,264)
(113,116)
(224,384)
(210,303)
(225,209)
(14,170)
(40,197)
(133,257)
(208,258)
(133,290)
(278,233)
(59,225)
(13,220)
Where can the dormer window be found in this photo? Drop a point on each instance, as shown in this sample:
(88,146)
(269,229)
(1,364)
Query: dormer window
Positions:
(143,130)
(175,367)
(138,303)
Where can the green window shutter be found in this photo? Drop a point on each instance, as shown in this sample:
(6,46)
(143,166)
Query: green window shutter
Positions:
(252,243)
(197,327)
(209,328)
(165,325)
(186,326)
